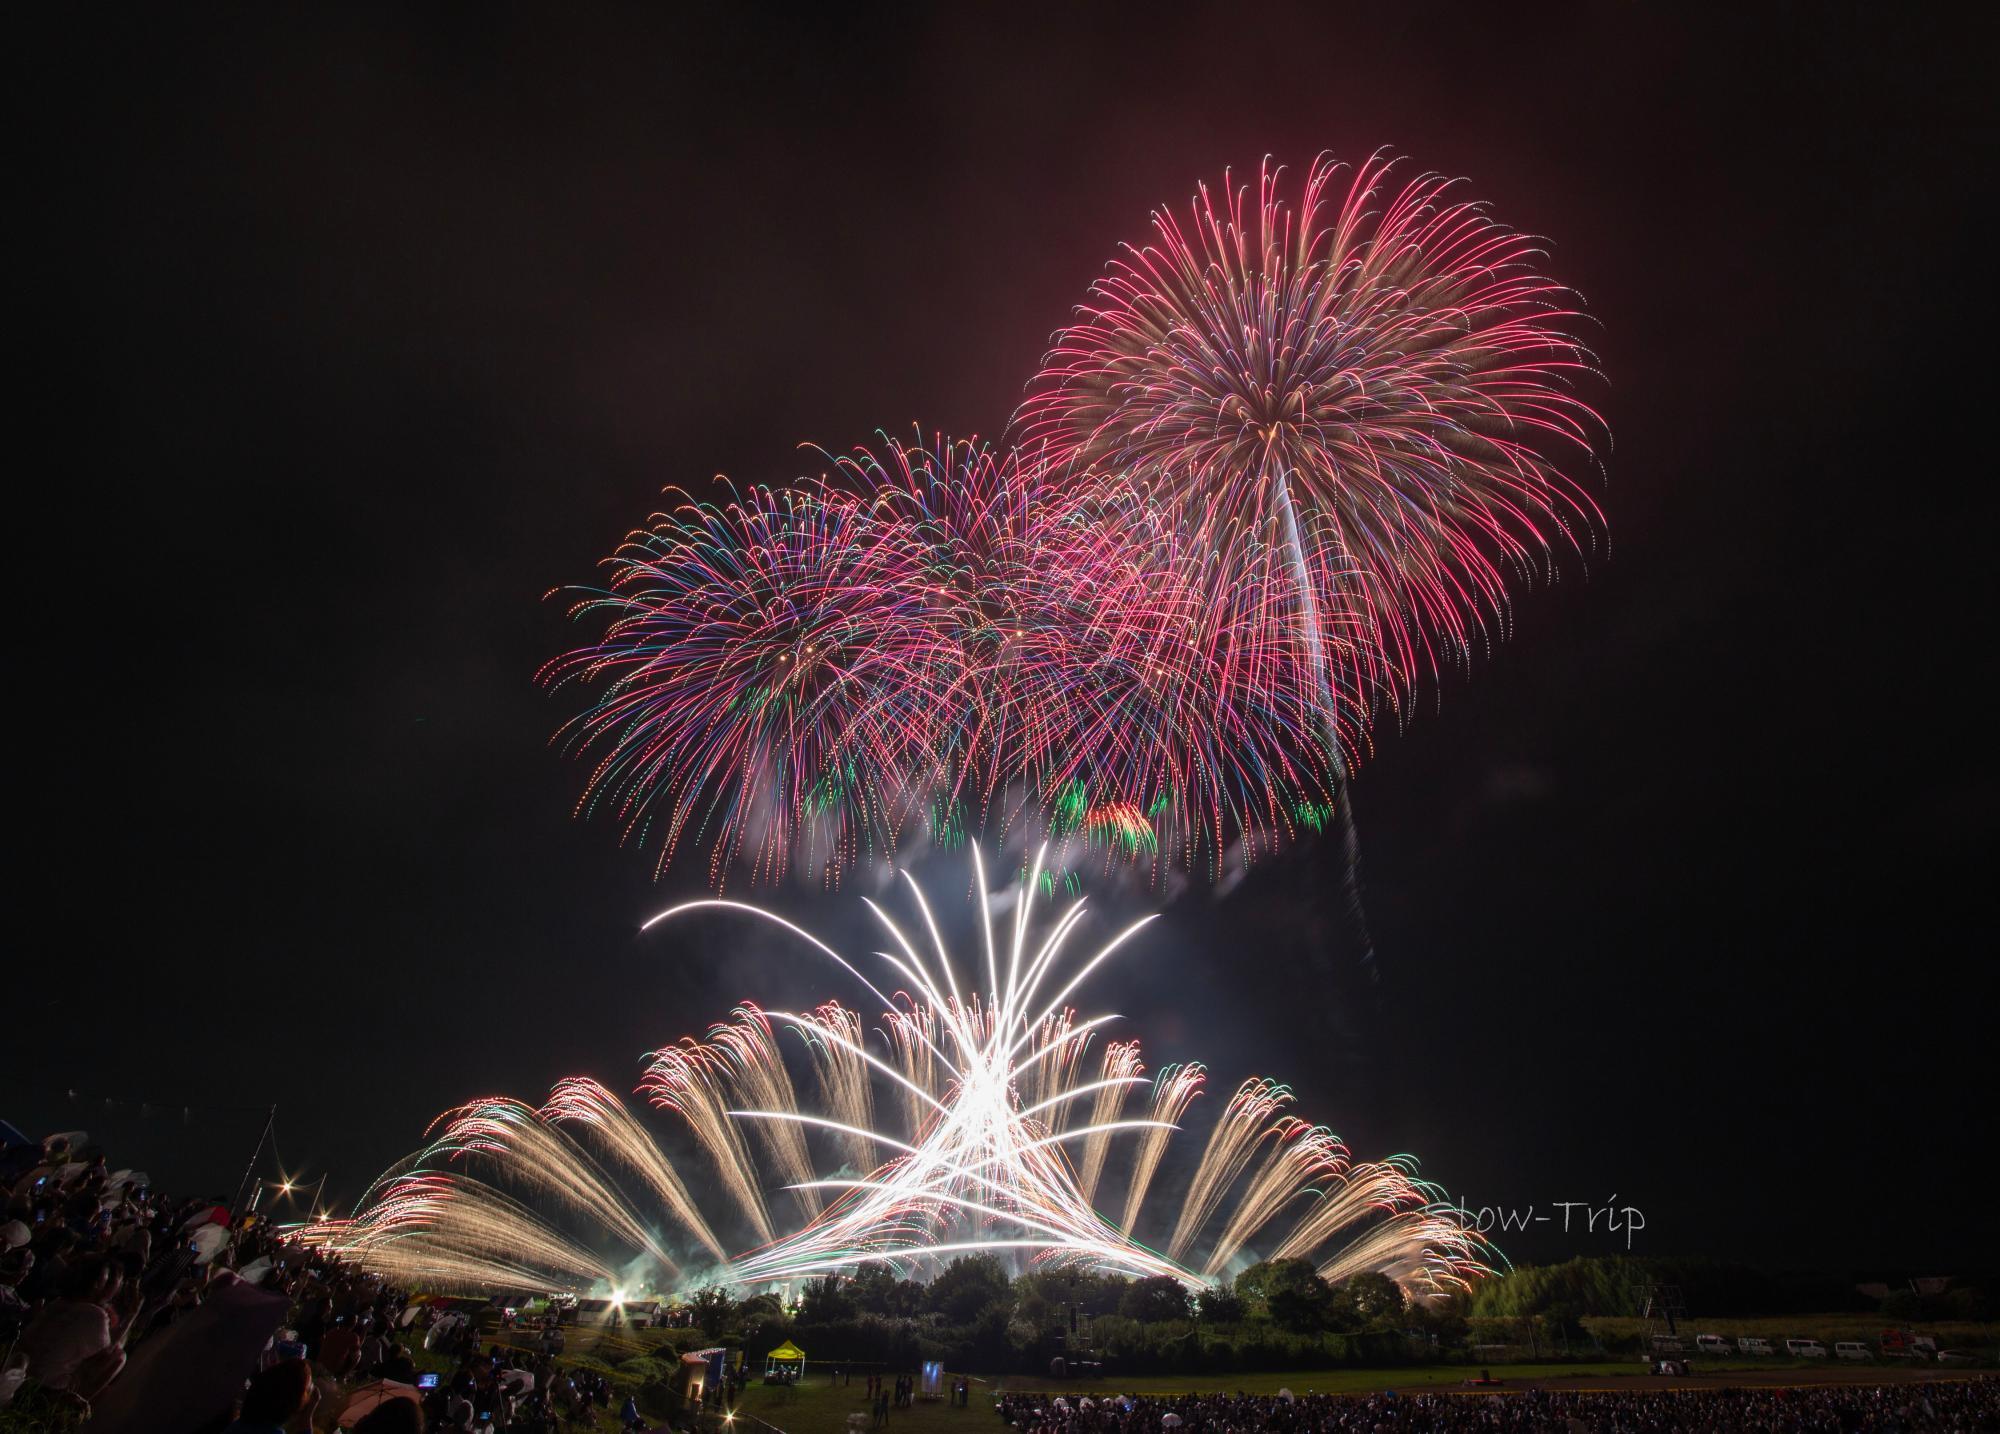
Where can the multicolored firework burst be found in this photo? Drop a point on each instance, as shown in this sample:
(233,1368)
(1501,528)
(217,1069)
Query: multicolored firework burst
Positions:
(1003,1144)
(766,682)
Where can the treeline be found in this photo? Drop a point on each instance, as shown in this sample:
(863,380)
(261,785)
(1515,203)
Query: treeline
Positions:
(1616,1285)
(1276,1315)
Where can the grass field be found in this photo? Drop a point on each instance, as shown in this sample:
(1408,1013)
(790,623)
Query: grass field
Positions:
(1950,1334)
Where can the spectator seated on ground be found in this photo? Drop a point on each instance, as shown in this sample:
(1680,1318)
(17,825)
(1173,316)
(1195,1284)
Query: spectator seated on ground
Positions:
(280,1400)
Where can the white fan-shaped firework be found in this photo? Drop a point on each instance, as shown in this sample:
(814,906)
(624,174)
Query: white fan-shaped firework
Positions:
(974,1118)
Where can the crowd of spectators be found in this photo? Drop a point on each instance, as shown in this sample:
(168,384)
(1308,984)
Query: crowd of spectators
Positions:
(133,1310)
(1958,1405)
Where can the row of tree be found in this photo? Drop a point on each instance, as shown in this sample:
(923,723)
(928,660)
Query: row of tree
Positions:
(1279,1314)
(1275,1315)
(1617,1285)
(1288,1294)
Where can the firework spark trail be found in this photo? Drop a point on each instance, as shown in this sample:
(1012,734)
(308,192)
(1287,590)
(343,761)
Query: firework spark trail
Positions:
(582,1101)
(1174,1089)
(1055,1075)
(502,1132)
(1301,1156)
(1418,1247)
(685,1079)
(833,1037)
(1245,1124)
(756,1076)
(440,1231)
(912,1033)
(1122,1068)
(1368,1189)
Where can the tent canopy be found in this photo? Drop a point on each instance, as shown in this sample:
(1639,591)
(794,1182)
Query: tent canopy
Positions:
(787,1353)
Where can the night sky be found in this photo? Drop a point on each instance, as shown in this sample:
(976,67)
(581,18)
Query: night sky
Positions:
(346,339)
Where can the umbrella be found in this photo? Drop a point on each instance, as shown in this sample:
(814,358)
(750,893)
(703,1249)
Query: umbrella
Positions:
(445,1329)
(1286,1395)
(180,1379)
(370,1397)
(1170,1421)
(1086,1403)
(208,1242)
(521,1378)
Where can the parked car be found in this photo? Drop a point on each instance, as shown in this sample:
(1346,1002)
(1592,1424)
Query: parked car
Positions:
(1851,1349)
(1805,1349)
(1712,1344)
(1754,1344)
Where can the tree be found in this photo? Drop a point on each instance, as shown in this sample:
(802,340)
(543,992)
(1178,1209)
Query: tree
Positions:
(1155,1298)
(709,1306)
(967,1287)
(1378,1300)
(823,1301)
(1290,1293)
(1220,1304)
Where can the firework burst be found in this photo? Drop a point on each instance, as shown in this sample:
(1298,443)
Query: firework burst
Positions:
(1376,381)
(765,683)
(1000,1081)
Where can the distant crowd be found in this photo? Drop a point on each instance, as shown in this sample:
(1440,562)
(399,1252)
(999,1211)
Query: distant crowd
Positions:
(1943,1406)
(141,1312)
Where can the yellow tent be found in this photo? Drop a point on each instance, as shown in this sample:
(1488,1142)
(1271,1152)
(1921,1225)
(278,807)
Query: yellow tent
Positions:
(787,1359)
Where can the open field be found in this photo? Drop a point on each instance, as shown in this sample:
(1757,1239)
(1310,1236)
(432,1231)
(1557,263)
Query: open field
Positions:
(1978,1336)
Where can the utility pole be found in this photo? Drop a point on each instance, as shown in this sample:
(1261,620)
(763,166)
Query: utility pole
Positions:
(236,1205)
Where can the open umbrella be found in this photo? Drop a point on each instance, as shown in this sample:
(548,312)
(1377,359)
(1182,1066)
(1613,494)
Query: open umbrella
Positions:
(1170,1421)
(370,1397)
(1286,1395)
(180,1379)
(208,1242)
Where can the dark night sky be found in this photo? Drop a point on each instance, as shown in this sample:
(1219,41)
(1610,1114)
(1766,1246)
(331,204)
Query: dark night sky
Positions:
(354,336)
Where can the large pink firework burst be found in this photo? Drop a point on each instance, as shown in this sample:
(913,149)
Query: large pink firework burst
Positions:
(1377,379)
